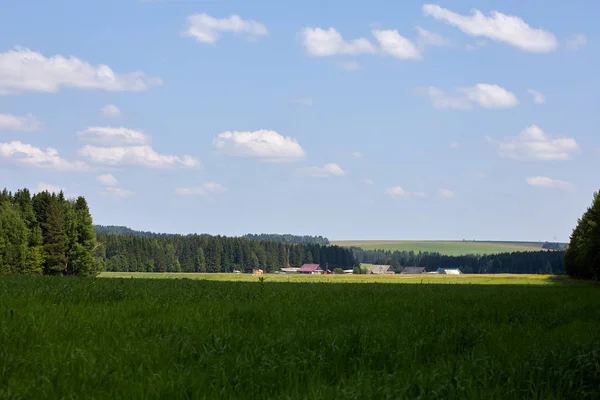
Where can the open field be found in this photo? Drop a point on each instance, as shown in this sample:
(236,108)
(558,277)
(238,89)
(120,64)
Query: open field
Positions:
(497,279)
(176,338)
(451,248)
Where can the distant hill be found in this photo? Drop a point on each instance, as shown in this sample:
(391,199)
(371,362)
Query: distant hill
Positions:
(270,237)
(125,231)
(453,248)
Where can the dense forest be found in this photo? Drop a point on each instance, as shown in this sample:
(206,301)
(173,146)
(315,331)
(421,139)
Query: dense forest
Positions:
(582,259)
(535,262)
(204,253)
(287,238)
(45,233)
(263,237)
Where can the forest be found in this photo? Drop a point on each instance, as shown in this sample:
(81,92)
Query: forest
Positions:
(45,233)
(204,253)
(535,262)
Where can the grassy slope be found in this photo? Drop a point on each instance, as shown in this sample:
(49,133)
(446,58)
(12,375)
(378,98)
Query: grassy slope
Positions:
(160,338)
(444,247)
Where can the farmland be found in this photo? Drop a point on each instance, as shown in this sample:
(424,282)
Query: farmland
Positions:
(74,337)
(451,248)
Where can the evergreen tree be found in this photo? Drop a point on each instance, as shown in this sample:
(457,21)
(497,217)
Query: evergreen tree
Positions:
(200,261)
(582,258)
(55,240)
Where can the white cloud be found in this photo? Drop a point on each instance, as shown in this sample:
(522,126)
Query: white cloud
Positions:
(454,145)
(534,144)
(575,42)
(446,193)
(500,27)
(545,182)
(322,43)
(538,98)
(23,70)
(262,144)
(207,29)
(44,187)
(207,189)
(107,180)
(28,123)
(395,45)
(327,170)
(117,192)
(368,182)
(136,155)
(31,156)
(110,111)
(483,95)
(357,154)
(428,38)
(397,191)
(113,136)
(350,66)
(304,101)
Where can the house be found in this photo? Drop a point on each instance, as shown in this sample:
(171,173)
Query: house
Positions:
(449,271)
(312,269)
(289,270)
(381,269)
(413,270)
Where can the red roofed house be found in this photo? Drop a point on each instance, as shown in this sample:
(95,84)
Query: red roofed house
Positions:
(310,269)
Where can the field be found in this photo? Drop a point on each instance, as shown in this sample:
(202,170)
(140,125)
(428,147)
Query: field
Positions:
(495,279)
(198,338)
(451,248)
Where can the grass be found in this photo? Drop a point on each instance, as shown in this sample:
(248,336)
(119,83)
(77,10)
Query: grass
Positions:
(207,339)
(495,279)
(452,248)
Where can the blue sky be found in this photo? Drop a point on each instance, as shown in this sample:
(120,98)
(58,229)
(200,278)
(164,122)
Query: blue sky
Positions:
(349,119)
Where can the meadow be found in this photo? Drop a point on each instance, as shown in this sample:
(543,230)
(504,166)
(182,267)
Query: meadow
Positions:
(68,337)
(450,248)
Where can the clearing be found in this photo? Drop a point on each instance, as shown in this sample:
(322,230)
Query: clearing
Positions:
(451,248)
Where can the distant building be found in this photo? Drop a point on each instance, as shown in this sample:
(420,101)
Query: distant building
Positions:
(289,270)
(381,269)
(449,271)
(348,271)
(413,271)
(311,269)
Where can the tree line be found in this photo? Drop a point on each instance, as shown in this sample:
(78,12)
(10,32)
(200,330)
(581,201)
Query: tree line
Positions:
(262,237)
(205,253)
(535,262)
(45,233)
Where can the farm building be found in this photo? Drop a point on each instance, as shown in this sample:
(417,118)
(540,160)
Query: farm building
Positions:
(310,269)
(289,270)
(381,269)
(449,271)
(348,271)
(413,270)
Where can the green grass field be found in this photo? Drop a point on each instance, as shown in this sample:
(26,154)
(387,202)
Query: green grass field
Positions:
(495,279)
(452,248)
(130,338)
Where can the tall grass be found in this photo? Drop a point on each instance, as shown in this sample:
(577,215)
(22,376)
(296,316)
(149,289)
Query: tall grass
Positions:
(136,338)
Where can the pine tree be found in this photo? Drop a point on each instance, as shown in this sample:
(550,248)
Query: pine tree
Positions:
(582,258)
(55,241)
(200,261)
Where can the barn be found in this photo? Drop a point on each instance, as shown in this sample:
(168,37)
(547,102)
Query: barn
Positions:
(381,269)
(413,271)
(449,271)
(311,269)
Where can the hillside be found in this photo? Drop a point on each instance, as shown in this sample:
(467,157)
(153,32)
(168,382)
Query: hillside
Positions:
(453,248)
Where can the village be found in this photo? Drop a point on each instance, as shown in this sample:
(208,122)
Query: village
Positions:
(316,269)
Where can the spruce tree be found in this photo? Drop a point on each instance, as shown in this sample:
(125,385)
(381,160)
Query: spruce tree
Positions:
(55,241)
(582,258)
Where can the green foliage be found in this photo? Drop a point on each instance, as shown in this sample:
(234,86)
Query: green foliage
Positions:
(338,271)
(171,339)
(45,233)
(582,258)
